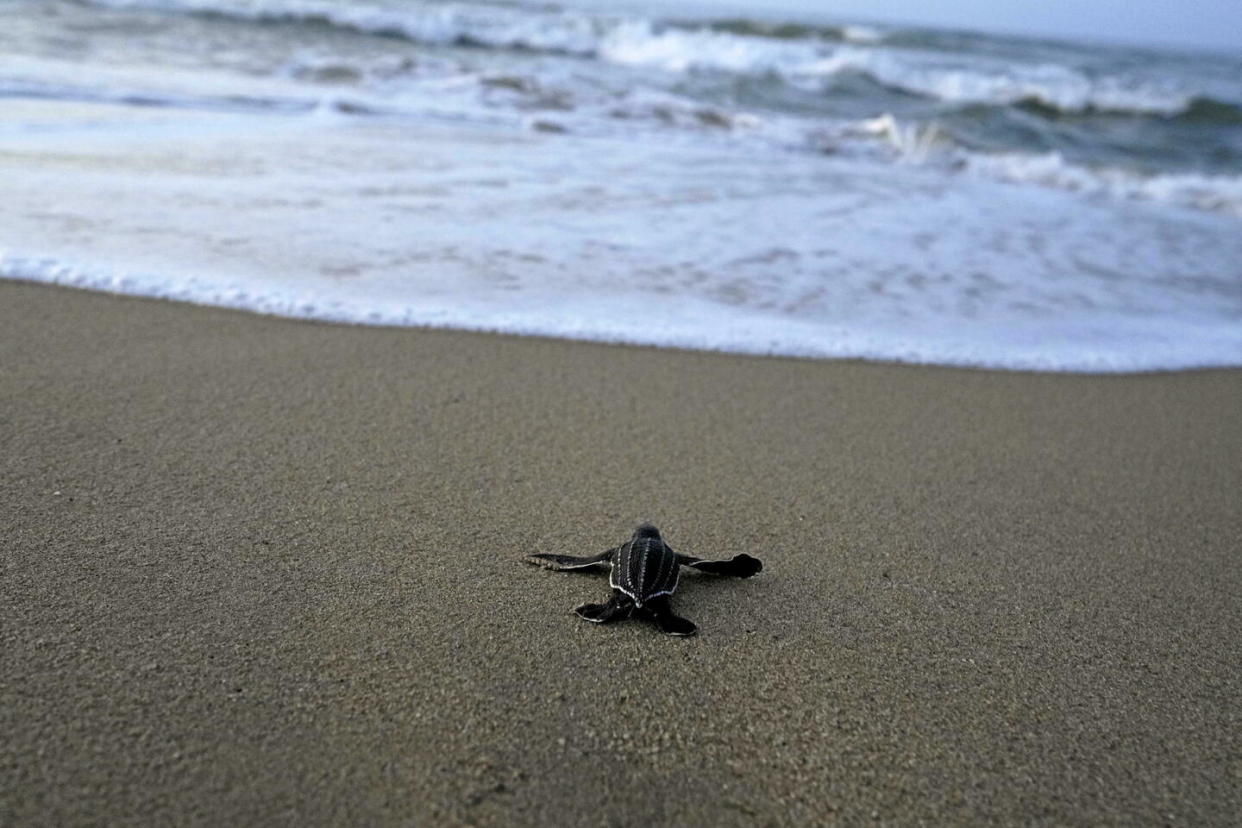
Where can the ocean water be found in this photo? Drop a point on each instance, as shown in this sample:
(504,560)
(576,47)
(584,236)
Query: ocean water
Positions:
(681,177)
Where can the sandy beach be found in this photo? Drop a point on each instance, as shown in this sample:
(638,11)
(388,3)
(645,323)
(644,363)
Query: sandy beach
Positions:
(264,572)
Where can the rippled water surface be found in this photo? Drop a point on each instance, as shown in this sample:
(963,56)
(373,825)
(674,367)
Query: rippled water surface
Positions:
(812,187)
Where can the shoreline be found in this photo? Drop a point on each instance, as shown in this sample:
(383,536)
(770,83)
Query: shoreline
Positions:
(265,571)
(356,321)
(332,218)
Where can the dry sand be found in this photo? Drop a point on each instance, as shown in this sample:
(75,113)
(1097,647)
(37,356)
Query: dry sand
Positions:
(265,572)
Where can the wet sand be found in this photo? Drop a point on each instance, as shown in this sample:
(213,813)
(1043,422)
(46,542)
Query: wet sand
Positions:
(257,571)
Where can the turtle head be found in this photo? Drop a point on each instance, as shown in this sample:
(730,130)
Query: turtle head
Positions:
(646,530)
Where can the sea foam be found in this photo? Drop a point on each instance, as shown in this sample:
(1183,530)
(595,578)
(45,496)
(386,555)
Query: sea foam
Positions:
(728,185)
(674,246)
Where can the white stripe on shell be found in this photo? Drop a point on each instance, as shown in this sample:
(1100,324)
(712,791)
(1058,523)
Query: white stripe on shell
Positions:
(633,597)
(620,565)
(642,562)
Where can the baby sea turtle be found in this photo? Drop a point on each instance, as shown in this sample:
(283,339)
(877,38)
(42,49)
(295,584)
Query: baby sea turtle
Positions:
(644,576)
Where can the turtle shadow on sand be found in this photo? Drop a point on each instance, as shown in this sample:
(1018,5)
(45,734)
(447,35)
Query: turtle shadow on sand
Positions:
(645,573)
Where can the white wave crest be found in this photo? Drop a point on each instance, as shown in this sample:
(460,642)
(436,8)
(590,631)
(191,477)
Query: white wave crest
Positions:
(493,26)
(1211,193)
(1052,85)
(639,41)
(912,142)
(862,34)
(930,144)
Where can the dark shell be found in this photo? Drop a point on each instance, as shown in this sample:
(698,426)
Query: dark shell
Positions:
(645,567)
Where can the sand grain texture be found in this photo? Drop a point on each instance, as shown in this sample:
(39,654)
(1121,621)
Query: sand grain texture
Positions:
(257,571)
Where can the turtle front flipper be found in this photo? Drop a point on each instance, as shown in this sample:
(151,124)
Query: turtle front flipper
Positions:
(668,621)
(618,608)
(739,566)
(551,561)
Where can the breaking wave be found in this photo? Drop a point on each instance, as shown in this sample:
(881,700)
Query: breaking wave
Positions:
(1039,120)
(931,144)
(801,54)
(1211,193)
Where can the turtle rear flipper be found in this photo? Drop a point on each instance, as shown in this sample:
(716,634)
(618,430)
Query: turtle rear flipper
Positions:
(668,621)
(619,607)
(551,561)
(739,566)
